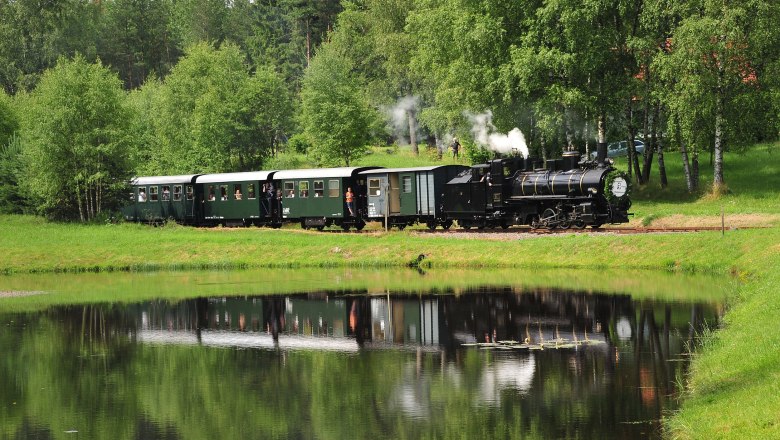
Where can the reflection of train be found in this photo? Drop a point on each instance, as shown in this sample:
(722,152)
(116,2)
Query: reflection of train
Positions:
(318,321)
(564,193)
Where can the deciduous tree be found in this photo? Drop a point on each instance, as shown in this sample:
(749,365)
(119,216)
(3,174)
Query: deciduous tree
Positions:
(335,113)
(213,116)
(74,140)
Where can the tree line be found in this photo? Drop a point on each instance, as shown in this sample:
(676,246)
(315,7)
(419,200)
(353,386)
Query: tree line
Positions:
(98,91)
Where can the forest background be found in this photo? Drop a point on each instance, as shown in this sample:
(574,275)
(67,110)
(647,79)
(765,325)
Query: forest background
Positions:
(95,92)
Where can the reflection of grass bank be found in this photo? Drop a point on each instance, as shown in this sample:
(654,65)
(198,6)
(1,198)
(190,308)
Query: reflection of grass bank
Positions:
(55,289)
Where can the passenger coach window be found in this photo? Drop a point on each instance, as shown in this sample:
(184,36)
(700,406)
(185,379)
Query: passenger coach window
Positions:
(407,184)
(250,190)
(373,187)
(303,187)
(190,195)
(142,194)
(333,188)
(289,189)
(319,188)
(237,191)
(212,194)
(166,193)
(153,197)
(223,192)
(176,193)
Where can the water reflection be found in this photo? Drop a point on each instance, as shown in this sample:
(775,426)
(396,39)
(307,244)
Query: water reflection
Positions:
(499,363)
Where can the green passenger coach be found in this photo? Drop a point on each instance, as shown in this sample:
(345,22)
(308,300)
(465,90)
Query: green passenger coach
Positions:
(317,197)
(159,198)
(405,196)
(247,198)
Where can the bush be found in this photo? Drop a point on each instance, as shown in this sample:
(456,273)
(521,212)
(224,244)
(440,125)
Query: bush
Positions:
(298,143)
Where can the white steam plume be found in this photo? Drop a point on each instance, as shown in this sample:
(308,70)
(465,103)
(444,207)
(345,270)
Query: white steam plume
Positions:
(398,117)
(485,134)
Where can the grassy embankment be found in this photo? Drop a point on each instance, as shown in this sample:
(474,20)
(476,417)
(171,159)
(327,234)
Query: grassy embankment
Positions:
(734,388)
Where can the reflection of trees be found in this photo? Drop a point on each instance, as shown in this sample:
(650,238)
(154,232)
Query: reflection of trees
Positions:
(78,368)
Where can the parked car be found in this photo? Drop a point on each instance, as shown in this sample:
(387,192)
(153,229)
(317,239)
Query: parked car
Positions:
(617,149)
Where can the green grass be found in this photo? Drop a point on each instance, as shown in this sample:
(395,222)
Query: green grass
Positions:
(733,391)
(752,178)
(32,245)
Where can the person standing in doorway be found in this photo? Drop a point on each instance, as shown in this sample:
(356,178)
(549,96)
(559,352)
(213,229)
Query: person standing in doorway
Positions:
(350,199)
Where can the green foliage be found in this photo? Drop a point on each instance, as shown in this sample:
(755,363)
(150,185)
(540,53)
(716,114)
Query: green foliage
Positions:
(298,143)
(135,38)
(75,149)
(144,128)
(476,154)
(33,35)
(11,168)
(213,116)
(9,121)
(334,112)
(713,74)
(11,164)
(458,52)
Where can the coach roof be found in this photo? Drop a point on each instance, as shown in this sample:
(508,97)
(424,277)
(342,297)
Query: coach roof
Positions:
(236,177)
(160,180)
(315,173)
(402,170)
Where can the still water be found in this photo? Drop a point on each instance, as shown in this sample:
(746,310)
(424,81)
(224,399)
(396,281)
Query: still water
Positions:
(481,362)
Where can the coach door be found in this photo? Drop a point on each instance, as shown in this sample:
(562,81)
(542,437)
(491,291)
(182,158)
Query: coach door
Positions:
(376,195)
(395,194)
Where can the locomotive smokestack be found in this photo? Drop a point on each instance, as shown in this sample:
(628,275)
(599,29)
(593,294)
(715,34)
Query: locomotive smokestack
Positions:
(571,159)
(601,153)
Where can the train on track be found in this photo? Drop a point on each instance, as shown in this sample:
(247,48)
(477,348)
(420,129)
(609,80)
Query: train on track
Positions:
(561,193)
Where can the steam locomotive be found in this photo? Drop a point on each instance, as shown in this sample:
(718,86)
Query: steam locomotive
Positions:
(566,193)
(561,193)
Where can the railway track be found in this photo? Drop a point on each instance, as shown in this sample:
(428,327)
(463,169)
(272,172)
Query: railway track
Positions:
(529,230)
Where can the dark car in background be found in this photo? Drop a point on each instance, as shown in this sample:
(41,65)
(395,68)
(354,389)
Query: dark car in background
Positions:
(618,149)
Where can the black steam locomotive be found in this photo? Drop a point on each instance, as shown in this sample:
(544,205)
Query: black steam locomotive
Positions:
(564,193)
(517,191)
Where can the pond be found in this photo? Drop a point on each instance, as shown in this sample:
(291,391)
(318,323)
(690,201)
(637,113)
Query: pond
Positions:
(347,354)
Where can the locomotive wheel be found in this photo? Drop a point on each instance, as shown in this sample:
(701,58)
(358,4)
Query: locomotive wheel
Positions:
(504,225)
(547,217)
(578,224)
(565,225)
(345,226)
(360,226)
(320,227)
(431,226)
(534,222)
(447,225)
(401,227)
(595,225)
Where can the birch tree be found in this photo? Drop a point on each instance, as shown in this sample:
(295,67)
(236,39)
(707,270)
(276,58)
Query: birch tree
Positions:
(74,141)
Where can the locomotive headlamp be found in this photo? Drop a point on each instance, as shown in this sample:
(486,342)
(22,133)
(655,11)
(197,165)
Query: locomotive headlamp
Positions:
(593,190)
